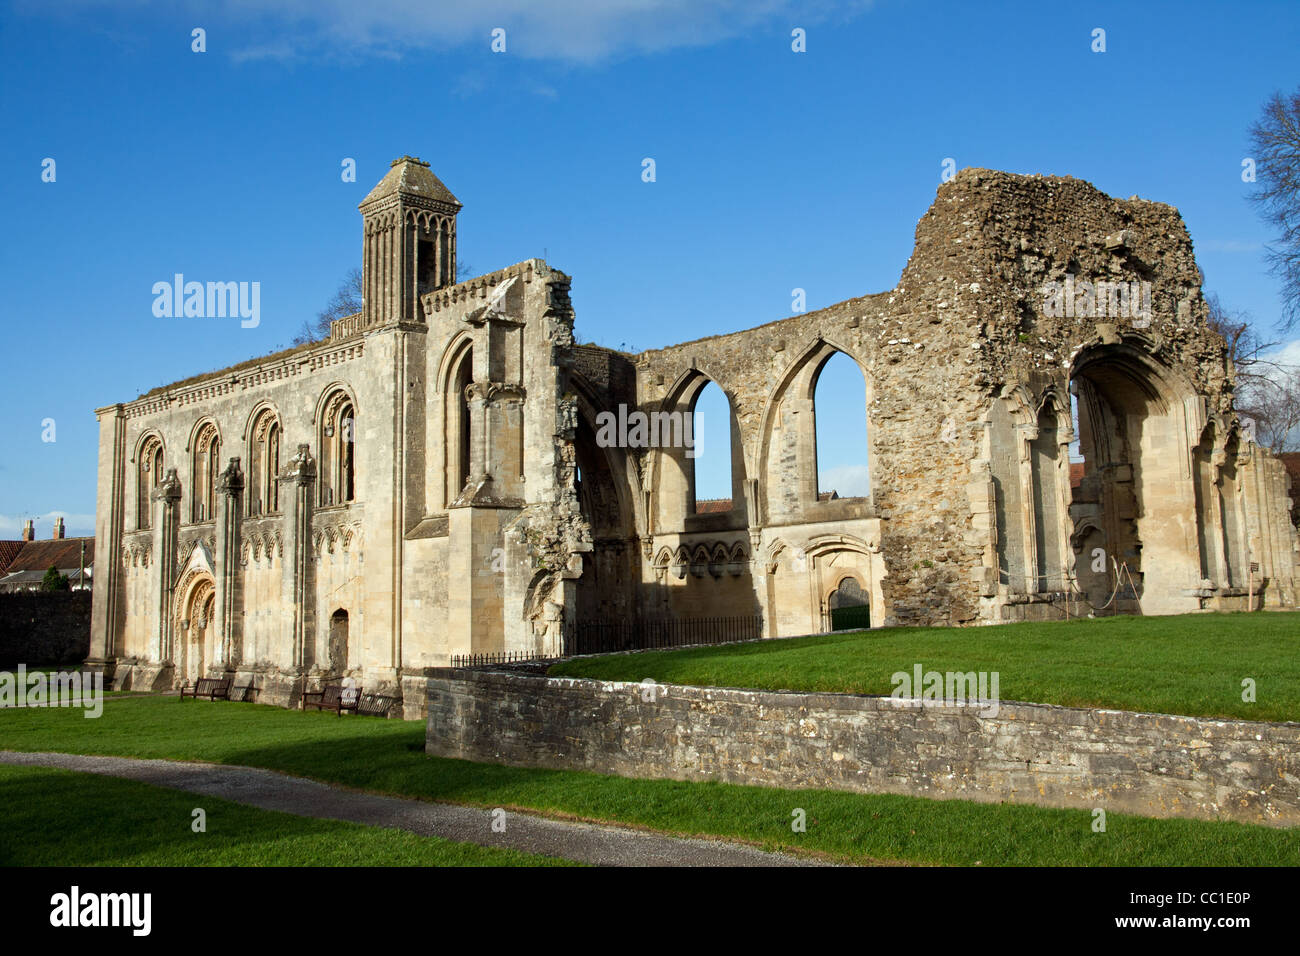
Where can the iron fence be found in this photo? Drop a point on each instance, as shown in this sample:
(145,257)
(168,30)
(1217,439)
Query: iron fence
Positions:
(497,657)
(607,636)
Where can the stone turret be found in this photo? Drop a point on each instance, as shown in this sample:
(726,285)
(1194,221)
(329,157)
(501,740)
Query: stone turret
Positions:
(410,243)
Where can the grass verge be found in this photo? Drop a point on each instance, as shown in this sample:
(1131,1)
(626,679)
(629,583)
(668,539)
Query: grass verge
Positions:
(62,818)
(1190,664)
(388,757)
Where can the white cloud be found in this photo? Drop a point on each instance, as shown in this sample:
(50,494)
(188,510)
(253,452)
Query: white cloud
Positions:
(1286,354)
(851,481)
(571,30)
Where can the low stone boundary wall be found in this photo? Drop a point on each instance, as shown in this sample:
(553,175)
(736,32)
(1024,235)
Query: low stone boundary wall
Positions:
(1150,764)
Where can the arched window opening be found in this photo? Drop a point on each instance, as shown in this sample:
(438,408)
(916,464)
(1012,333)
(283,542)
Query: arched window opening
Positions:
(840,416)
(264,465)
(710,431)
(336,469)
(426,265)
(149,470)
(458,425)
(207,456)
(347,461)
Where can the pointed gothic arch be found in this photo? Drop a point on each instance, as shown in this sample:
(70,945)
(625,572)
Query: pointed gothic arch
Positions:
(787,450)
(671,459)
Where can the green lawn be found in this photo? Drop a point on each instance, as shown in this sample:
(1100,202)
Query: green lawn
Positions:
(1191,664)
(61,818)
(387,756)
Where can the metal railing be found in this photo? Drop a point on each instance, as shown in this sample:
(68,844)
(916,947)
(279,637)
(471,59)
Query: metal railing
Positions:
(608,636)
(495,657)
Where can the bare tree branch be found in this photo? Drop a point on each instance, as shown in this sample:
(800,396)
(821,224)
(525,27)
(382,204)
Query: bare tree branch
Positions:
(1275,142)
(346,301)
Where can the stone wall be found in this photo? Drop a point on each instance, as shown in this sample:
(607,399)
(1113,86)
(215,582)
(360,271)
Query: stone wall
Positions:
(1149,764)
(38,627)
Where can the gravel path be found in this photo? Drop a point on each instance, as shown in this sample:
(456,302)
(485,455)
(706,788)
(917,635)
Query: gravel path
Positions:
(268,790)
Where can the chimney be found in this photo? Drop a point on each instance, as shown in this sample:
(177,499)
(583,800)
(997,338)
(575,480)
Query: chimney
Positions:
(58,529)
(29,530)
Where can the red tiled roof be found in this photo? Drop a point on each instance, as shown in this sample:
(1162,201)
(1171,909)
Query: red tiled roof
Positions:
(710,506)
(63,553)
(1076,474)
(8,551)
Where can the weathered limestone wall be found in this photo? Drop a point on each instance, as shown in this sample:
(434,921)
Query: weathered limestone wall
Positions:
(970,368)
(488,515)
(386,559)
(143,589)
(1028,753)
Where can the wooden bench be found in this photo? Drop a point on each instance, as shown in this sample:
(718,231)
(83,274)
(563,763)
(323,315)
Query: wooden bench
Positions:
(333,697)
(375,705)
(213,688)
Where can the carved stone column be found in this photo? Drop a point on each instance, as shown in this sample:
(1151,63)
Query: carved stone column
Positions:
(166,504)
(229,576)
(476,397)
(297,492)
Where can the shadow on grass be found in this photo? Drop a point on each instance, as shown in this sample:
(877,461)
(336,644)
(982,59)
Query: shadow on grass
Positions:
(387,756)
(64,818)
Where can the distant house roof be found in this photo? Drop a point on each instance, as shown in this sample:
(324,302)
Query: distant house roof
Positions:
(711,506)
(1076,473)
(34,579)
(8,551)
(62,553)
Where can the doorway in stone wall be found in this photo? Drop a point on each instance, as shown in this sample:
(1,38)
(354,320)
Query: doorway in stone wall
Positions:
(850,608)
(198,649)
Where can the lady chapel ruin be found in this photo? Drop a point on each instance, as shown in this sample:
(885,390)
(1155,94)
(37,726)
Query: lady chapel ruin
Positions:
(427,482)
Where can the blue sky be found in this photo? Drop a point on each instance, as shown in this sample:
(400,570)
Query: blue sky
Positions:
(775,170)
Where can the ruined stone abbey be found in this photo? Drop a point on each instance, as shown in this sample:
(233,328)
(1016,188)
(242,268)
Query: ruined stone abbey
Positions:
(427,482)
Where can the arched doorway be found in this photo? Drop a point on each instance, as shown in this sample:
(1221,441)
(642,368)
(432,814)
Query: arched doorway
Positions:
(197,630)
(850,606)
(1138,429)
